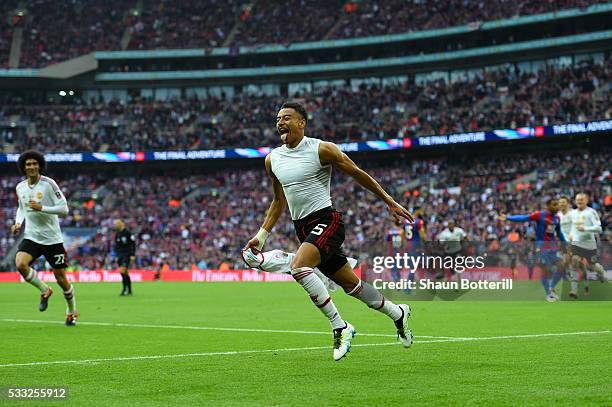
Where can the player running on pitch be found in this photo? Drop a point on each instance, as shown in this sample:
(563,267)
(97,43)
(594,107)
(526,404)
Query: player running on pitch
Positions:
(585,227)
(547,227)
(301,173)
(40,203)
(396,238)
(416,236)
(451,240)
(565,221)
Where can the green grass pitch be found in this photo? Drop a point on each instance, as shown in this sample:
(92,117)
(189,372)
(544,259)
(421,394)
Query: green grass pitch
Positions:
(125,352)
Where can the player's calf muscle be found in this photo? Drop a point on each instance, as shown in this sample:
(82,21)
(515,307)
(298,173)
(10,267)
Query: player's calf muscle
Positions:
(346,278)
(60,277)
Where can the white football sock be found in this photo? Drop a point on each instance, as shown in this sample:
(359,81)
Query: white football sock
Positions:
(70,300)
(315,288)
(574,277)
(33,279)
(598,268)
(375,300)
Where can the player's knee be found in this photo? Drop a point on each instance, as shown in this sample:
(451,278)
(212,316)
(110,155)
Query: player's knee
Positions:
(298,262)
(22,266)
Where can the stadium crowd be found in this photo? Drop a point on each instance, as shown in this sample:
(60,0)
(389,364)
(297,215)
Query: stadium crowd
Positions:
(203,220)
(390,17)
(6,30)
(54,33)
(57,31)
(184,24)
(509,97)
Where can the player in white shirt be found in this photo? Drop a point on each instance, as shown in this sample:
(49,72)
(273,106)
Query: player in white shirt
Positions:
(301,173)
(40,203)
(451,239)
(565,222)
(565,216)
(586,225)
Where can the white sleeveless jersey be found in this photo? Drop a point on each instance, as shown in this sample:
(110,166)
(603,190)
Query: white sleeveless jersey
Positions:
(304,180)
(40,226)
(565,221)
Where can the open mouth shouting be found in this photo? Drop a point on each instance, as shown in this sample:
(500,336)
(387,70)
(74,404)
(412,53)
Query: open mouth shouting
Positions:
(284,132)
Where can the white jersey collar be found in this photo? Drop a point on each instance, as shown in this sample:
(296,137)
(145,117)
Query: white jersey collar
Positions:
(33,185)
(298,147)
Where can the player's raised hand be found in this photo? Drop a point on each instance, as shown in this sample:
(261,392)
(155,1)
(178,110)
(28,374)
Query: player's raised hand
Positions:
(398,212)
(502,217)
(16,228)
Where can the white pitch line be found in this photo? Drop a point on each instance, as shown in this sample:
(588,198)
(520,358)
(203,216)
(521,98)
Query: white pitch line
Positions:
(243,352)
(520,336)
(204,328)
(184,355)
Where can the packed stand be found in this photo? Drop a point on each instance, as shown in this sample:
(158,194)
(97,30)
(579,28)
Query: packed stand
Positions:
(499,99)
(60,30)
(9,20)
(190,24)
(363,19)
(202,221)
(287,22)
(315,20)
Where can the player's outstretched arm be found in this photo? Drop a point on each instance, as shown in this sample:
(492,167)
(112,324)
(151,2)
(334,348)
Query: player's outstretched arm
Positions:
(329,153)
(274,212)
(515,218)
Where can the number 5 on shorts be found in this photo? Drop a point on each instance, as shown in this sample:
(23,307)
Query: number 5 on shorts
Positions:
(317,230)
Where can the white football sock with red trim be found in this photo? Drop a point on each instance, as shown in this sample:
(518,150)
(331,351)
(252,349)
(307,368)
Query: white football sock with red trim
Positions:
(374,299)
(319,295)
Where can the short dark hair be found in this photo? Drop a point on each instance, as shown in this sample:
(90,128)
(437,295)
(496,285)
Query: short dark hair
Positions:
(28,155)
(551,200)
(298,107)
